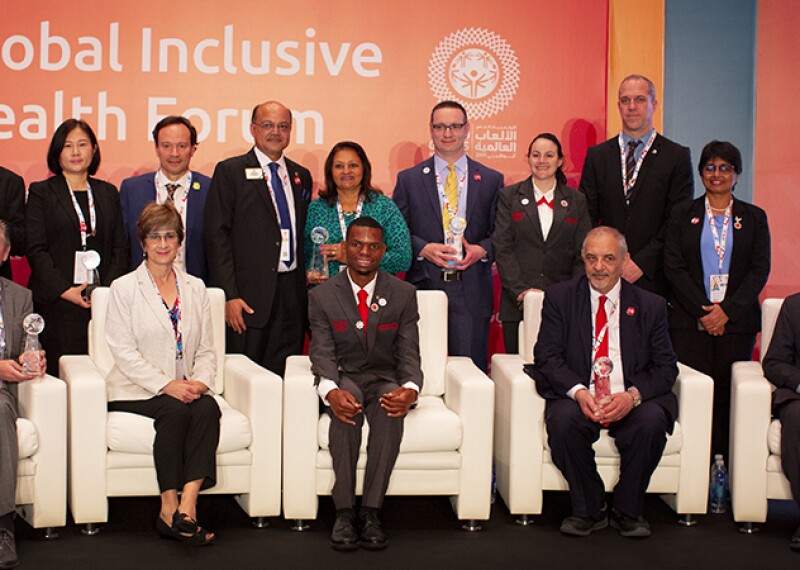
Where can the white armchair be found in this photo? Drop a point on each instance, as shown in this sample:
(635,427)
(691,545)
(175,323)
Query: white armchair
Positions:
(111,454)
(755,436)
(447,440)
(522,457)
(42,469)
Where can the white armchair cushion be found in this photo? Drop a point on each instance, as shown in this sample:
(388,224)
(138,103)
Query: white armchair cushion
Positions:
(27,438)
(774,437)
(432,426)
(134,433)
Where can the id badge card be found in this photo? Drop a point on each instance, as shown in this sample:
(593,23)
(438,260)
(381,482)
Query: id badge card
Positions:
(285,245)
(81,274)
(718,285)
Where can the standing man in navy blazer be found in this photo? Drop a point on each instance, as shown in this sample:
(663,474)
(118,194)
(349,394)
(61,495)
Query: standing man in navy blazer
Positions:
(635,190)
(422,195)
(255,215)
(176,142)
(641,408)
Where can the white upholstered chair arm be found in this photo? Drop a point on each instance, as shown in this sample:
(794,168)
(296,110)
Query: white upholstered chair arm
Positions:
(300,444)
(751,402)
(470,394)
(258,394)
(44,402)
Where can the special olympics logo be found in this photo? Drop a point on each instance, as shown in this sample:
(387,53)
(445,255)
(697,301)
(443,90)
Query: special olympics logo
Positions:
(477,68)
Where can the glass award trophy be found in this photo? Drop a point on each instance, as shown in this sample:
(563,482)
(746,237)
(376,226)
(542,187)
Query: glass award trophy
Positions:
(33,324)
(319,236)
(91,261)
(454,239)
(602,369)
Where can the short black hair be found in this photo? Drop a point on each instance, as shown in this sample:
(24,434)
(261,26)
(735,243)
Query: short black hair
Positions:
(366,222)
(59,140)
(449,105)
(175,120)
(720,149)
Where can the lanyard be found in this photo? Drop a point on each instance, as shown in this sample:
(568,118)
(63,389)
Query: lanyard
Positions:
(628,184)
(181,208)
(719,242)
(443,195)
(175,314)
(79,212)
(340,213)
(601,335)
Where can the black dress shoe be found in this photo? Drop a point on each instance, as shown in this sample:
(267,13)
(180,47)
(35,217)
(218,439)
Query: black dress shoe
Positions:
(372,535)
(584,526)
(630,527)
(8,549)
(344,535)
(795,543)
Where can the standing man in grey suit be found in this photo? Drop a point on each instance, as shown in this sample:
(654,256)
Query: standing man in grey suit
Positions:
(446,186)
(255,215)
(365,359)
(176,142)
(17,303)
(634,180)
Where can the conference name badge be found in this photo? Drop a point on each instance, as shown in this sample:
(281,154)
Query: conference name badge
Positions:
(253,173)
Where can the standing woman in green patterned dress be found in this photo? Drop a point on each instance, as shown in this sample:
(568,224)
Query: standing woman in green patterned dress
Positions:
(349,194)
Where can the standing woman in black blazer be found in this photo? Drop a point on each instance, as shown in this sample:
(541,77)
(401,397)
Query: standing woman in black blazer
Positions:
(538,233)
(65,216)
(717,260)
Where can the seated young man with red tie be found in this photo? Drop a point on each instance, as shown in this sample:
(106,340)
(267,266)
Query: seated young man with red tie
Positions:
(365,358)
(591,324)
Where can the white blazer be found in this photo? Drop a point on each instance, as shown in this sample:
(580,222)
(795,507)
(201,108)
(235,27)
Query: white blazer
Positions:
(141,338)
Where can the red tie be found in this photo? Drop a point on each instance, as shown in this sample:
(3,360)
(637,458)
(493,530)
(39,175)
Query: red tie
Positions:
(602,386)
(363,310)
(544,201)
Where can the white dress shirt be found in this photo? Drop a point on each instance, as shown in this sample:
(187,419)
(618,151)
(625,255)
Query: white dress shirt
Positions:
(545,211)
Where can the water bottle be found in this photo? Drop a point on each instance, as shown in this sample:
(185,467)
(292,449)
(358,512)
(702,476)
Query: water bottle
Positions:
(718,495)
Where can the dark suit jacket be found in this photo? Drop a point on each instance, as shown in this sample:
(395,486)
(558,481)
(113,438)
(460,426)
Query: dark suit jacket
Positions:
(665,180)
(135,193)
(53,236)
(524,259)
(750,265)
(243,235)
(389,350)
(563,351)
(12,210)
(418,199)
(782,361)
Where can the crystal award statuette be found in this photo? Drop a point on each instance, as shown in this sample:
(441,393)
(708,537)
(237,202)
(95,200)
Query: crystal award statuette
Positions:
(91,261)
(454,239)
(319,236)
(602,369)
(33,324)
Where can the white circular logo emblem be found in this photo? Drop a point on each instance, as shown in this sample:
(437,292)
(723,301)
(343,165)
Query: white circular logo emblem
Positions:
(477,68)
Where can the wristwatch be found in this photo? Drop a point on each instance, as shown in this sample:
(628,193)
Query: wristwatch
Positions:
(637,397)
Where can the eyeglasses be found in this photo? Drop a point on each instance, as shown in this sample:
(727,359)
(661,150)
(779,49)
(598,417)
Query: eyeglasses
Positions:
(441,127)
(166,236)
(723,169)
(282,127)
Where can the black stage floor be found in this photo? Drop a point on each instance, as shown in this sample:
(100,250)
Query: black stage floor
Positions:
(423,533)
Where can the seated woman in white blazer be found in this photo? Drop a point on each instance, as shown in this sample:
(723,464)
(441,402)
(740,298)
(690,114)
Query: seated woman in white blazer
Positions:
(159,330)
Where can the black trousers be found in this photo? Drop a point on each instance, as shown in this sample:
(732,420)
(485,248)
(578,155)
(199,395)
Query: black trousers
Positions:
(284,334)
(511,336)
(385,434)
(185,446)
(789,415)
(640,438)
(714,355)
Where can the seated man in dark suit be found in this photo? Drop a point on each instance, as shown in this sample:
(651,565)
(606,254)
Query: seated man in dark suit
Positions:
(365,359)
(782,368)
(17,303)
(586,322)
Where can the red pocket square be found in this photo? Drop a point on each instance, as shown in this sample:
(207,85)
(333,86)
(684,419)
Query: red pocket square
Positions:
(387,327)
(339,326)
(570,220)
(517,216)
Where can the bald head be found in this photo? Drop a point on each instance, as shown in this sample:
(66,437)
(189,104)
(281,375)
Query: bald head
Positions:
(271,127)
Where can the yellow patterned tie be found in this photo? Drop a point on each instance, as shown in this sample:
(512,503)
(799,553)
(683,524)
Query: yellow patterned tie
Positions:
(451,191)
